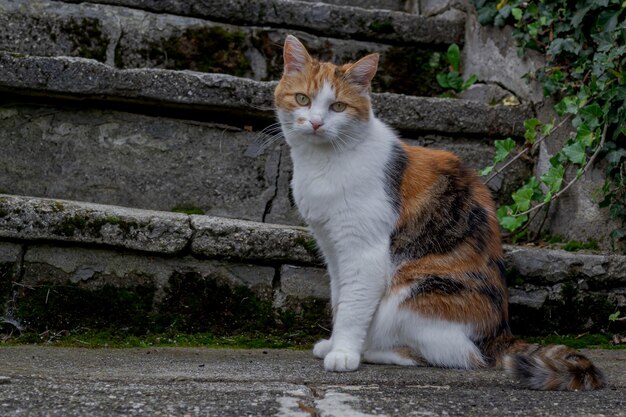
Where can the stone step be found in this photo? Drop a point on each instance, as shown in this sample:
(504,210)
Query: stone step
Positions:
(59,260)
(194,141)
(324,18)
(82,79)
(134,38)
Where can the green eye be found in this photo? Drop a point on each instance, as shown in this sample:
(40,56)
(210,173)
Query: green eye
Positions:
(338,106)
(302,100)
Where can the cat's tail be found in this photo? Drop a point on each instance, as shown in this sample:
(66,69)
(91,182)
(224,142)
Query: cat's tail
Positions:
(551,368)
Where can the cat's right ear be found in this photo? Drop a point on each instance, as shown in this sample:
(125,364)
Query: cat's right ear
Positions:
(295,55)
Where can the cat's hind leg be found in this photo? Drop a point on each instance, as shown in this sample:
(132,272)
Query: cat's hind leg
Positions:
(382,338)
(445,344)
(388,357)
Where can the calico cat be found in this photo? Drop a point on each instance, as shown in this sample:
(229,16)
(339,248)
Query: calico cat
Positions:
(409,236)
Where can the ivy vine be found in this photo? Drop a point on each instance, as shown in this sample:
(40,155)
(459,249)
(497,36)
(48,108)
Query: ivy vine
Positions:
(584,43)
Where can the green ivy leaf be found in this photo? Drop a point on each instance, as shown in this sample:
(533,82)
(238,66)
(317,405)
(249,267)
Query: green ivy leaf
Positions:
(531,133)
(553,178)
(569,104)
(546,129)
(548,197)
(486,171)
(614,157)
(517,13)
(523,198)
(575,152)
(559,45)
(584,135)
(508,220)
(503,149)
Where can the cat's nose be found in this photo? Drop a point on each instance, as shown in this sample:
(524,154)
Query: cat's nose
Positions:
(316,124)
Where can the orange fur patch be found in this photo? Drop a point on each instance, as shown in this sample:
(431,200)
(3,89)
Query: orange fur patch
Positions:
(310,82)
(431,175)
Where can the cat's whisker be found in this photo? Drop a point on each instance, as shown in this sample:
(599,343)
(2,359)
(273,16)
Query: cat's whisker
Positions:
(266,138)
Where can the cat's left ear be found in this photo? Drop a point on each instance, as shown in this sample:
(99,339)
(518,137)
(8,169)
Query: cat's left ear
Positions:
(362,72)
(295,55)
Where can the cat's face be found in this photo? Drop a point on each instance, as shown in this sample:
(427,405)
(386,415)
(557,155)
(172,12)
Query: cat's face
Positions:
(322,103)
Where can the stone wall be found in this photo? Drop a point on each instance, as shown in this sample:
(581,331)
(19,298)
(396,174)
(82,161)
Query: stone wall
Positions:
(65,264)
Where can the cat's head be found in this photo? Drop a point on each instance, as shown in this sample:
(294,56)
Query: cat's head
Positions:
(322,103)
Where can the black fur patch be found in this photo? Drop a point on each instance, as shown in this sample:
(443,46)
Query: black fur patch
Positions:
(524,367)
(394,171)
(501,268)
(451,220)
(438,285)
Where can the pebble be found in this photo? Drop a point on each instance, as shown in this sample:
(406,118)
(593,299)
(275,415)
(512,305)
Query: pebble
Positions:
(5,380)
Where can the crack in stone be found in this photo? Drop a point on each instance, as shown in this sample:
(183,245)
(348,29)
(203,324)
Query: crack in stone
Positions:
(270,202)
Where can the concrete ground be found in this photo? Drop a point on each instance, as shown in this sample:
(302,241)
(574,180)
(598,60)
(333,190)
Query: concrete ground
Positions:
(48,381)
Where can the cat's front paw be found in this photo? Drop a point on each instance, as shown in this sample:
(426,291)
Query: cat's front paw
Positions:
(321,348)
(342,361)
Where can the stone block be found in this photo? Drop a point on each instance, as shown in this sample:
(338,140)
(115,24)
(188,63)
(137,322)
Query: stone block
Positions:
(55,28)
(189,43)
(236,98)
(342,21)
(28,218)
(73,286)
(549,266)
(237,239)
(491,54)
(132,160)
(534,299)
(398,5)
(304,282)
(10,266)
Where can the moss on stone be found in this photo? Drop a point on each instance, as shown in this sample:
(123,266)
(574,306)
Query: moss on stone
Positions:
(205,49)
(57,207)
(381,27)
(88,38)
(70,225)
(575,245)
(586,341)
(78,223)
(52,306)
(308,244)
(196,303)
(574,311)
(188,209)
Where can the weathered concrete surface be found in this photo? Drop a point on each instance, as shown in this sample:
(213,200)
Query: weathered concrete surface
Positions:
(302,282)
(553,266)
(159,163)
(261,242)
(132,160)
(86,79)
(120,37)
(224,382)
(550,289)
(42,219)
(409,6)
(319,18)
(95,268)
(491,54)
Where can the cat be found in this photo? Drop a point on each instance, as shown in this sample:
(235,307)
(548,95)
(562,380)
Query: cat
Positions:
(408,234)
